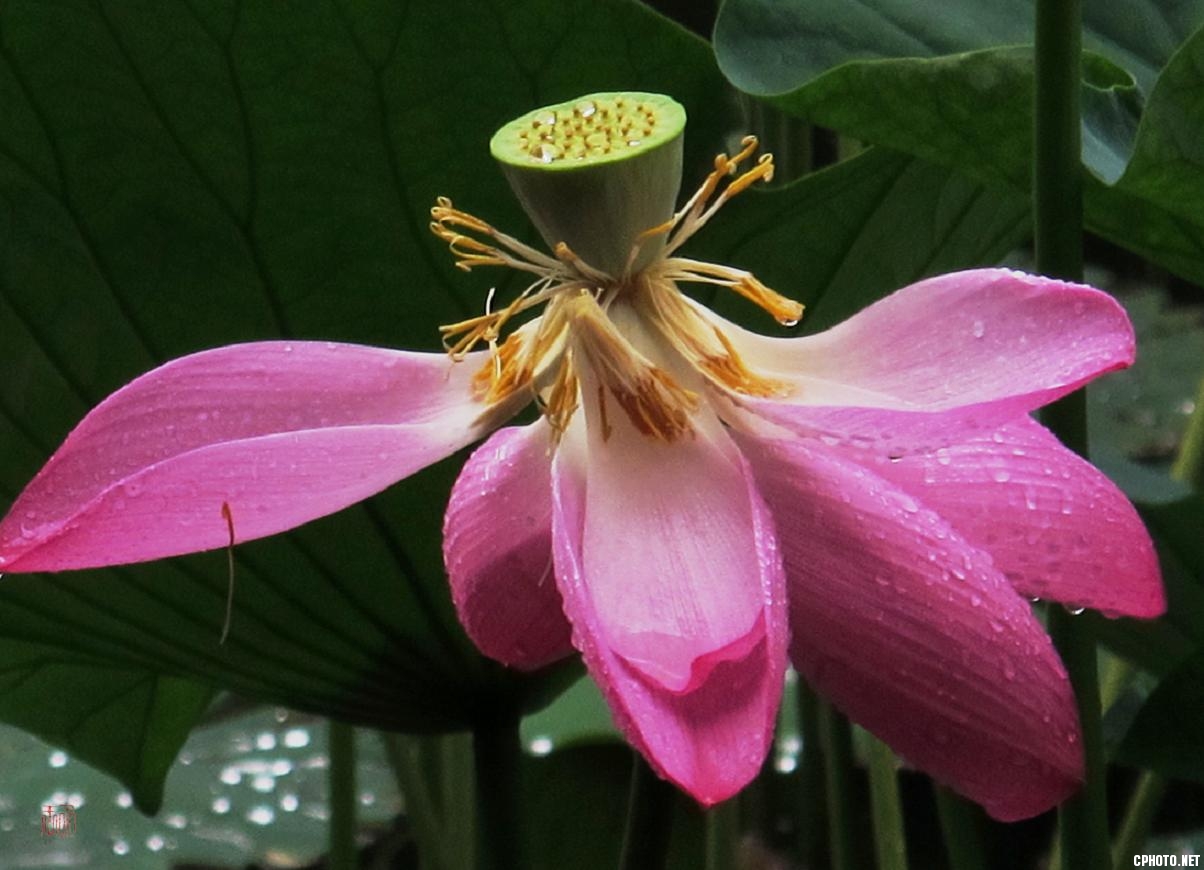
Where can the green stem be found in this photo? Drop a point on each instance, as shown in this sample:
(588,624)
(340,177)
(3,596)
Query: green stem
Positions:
(1083,819)
(1058,228)
(1057,177)
(961,825)
(455,762)
(649,819)
(1057,167)
(1139,817)
(341,740)
(1189,465)
(723,835)
(497,759)
(890,841)
(837,739)
(405,756)
(811,811)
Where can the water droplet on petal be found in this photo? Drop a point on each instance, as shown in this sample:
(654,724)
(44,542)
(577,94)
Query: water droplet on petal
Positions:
(979,329)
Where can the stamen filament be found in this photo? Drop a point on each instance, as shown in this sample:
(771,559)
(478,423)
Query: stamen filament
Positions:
(697,210)
(783,309)
(653,401)
(472,252)
(703,343)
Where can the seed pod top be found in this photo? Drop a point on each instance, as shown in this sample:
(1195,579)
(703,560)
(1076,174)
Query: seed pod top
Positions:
(596,172)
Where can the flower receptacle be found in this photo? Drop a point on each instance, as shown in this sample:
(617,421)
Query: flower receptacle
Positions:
(597,172)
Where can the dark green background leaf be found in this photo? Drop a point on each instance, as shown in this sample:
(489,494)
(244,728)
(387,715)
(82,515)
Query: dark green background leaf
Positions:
(127,723)
(933,81)
(1159,646)
(1168,734)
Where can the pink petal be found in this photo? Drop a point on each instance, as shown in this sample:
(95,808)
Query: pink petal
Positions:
(969,349)
(912,632)
(281,433)
(668,565)
(1054,525)
(497,545)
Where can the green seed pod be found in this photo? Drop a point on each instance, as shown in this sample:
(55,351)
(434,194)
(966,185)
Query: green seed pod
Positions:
(596,172)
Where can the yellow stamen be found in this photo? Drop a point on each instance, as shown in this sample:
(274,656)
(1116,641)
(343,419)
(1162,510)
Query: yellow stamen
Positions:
(561,403)
(447,220)
(783,309)
(507,371)
(700,208)
(702,343)
(654,402)
(728,368)
(541,359)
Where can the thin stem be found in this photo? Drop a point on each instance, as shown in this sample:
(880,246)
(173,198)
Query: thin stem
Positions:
(454,759)
(1083,819)
(1189,465)
(890,841)
(811,811)
(1058,228)
(723,835)
(496,762)
(837,739)
(1057,168)
(404,754)
(1139,817)
(1057,177)
(649,819)
(961,825)
(341,740)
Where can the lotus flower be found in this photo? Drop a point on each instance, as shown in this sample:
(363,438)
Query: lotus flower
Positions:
(696,503)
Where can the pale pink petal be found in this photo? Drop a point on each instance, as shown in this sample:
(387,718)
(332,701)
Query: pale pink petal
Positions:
(912,632)
(668,564)
(497,545)
(1054,525)
(965,350)
(281,433)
